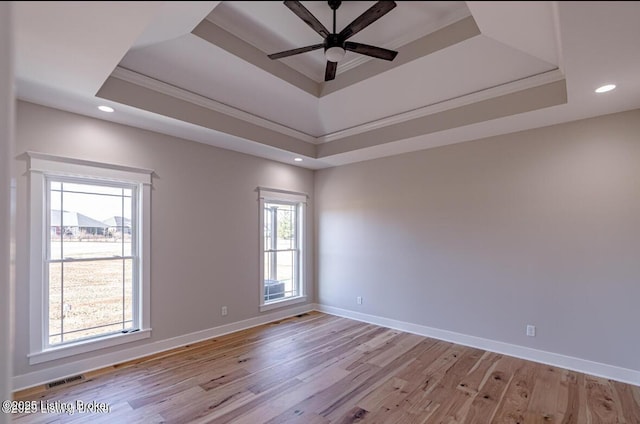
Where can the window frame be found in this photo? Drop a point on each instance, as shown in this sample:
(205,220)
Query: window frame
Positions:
(267,195)
(42,167)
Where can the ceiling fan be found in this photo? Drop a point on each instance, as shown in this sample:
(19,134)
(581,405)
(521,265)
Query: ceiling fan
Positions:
(336,44)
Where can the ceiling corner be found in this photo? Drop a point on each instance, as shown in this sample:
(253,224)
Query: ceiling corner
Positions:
(174,19)
(531,27)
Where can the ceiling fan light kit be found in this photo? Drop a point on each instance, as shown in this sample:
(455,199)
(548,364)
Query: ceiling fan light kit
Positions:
(335,44)
(334,54)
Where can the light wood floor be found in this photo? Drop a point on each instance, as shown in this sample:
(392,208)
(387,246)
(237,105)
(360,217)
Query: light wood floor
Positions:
(318,368)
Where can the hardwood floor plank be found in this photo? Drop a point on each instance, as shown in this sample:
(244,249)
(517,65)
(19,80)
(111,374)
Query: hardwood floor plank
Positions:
(479,373)
(463,360)
(600,401)
(492,391)
(322,369)
(568,398)
(386,393)
(629,397)
(542,405)
(516,399)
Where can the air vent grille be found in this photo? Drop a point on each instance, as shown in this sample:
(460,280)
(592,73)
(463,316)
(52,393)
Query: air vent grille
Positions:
(64,381)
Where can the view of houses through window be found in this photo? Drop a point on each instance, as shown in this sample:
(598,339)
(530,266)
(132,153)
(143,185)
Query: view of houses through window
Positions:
(91,259)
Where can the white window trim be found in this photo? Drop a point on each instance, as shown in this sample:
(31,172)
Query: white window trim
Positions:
(270,194)
(40,166)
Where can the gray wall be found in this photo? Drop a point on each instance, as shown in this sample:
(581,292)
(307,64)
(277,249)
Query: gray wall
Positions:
(6,152)
(204,219)
(481,238)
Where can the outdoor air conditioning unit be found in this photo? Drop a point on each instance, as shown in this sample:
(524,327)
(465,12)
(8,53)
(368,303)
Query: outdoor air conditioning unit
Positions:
(273,289)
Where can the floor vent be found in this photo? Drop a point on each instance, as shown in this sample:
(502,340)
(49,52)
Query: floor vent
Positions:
(64,381)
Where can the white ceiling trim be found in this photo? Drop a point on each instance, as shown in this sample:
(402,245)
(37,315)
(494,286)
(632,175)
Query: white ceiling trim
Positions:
(188,96)
(405,39)
(478,96)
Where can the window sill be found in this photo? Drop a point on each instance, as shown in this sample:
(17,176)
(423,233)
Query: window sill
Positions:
(54,353)
(282,303)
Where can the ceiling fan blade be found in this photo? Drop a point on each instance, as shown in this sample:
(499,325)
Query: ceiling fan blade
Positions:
(302,12)
(373,51)
(288,53)
(330,72)
(374,13)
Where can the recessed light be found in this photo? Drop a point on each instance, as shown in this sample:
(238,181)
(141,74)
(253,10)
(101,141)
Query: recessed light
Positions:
(298,159)
(107,109)
(605,88)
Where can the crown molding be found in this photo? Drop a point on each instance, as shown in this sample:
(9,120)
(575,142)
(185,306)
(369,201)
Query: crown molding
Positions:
(188,96)
(500,90)
(478,96)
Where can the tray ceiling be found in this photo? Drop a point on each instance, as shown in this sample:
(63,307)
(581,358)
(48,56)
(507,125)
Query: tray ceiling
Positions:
(199,70)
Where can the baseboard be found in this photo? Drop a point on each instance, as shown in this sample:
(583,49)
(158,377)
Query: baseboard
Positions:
(572,363)
(36,378)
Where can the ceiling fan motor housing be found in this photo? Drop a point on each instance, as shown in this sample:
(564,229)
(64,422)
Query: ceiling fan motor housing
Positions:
(333,4)
(333,40)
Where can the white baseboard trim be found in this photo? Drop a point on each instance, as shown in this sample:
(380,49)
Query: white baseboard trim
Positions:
(36,378)
(555,359)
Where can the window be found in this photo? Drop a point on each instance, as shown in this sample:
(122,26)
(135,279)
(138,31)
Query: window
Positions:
(92,258)
(282,248)
(89,256)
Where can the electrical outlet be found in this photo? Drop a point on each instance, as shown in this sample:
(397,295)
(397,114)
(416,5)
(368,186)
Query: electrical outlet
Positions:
(359,300)
(531,330)
(224,311)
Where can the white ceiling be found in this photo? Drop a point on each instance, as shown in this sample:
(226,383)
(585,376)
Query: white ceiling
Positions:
(198,70)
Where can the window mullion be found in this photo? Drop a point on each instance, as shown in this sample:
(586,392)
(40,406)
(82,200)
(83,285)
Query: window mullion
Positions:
(62,231)
(136,282)
(123,260)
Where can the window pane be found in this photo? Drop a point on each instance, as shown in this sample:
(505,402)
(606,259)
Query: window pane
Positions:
(269,266)
(268,227)
(89,221)
(55,241)
(285,266)
(93,296)
(125,226)
(128,293)
(55,222)
(55,300)
(83,223)
(286,227)
(82,249)
(280,281)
